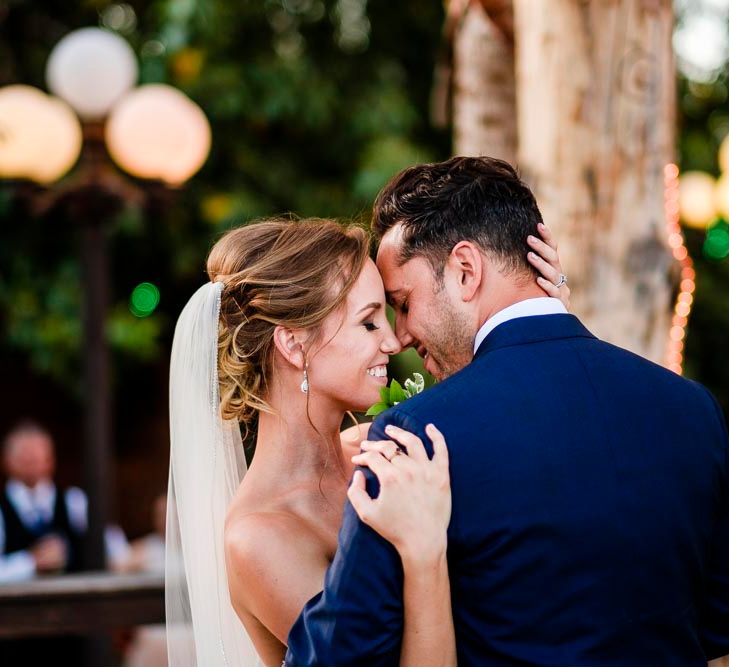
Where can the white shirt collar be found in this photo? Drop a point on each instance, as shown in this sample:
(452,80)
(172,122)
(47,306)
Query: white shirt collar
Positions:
(32,503)
(542,305)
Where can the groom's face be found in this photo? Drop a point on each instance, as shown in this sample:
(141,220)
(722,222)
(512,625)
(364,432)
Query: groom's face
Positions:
(428,315)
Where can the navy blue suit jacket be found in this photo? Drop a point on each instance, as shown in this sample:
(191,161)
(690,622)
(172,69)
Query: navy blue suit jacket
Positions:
(590,519)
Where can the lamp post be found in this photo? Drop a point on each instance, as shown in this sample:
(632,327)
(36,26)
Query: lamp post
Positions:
(153,132)
(91,69)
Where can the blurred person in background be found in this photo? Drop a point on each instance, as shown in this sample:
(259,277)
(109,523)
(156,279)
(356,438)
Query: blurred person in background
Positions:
(147,553)
(41,525)
(41,532)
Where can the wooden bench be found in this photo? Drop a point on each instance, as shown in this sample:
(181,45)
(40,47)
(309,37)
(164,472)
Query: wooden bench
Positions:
(80,604)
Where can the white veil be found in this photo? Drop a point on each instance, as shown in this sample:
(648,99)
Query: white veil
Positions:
(206,466)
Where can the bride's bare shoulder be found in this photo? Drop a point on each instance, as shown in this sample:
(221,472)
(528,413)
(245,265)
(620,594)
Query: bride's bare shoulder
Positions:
(257,535)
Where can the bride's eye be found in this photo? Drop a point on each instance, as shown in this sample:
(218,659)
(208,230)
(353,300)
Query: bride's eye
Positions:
(370,326)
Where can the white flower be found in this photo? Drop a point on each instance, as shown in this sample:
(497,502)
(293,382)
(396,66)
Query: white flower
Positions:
(414,386)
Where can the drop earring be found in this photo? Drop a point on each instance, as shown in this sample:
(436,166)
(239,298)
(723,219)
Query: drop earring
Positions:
(305,383)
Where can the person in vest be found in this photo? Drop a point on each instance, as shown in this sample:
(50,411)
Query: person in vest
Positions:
(40,524)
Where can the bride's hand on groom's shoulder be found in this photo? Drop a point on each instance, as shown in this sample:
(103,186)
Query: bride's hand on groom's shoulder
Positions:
(544,257)
(413,508)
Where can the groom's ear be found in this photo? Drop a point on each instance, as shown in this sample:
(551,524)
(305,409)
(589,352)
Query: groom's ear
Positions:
(466,262)
(289,344)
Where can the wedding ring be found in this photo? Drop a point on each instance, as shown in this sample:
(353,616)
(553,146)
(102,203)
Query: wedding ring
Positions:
(397,452)
(562,280)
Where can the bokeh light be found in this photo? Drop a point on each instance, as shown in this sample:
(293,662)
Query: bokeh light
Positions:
(724,154)
(716,244)
(144,300)
(682,306)
(697,199)
(721,195)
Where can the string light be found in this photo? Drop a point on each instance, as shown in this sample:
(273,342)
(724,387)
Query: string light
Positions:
(685,298)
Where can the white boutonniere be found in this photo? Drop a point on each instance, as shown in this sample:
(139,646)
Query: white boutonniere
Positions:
(396,393)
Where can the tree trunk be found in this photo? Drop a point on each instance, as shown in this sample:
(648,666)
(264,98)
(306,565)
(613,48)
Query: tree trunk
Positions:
(484,102)
(595,84)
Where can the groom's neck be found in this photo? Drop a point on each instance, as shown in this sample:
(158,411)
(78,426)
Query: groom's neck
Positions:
(503,293)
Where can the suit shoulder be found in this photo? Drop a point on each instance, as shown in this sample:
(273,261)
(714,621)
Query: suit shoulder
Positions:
(652,370)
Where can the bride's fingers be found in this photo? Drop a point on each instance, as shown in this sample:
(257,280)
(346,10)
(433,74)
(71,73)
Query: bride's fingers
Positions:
(378,464)
(547,270)
(543,250)
(358,496)
(412,443)
(546,233)
(387,448)
(440,449)
(550,288)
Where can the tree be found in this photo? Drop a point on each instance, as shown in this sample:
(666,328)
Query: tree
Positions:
(484,87)
(595,128)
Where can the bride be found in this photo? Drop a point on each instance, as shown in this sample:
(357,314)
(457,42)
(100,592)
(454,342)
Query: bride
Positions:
(288,336)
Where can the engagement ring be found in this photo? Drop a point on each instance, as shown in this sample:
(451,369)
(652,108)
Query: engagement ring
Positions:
(562,280)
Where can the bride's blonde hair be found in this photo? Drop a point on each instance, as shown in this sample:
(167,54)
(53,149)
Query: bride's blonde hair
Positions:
(278,272)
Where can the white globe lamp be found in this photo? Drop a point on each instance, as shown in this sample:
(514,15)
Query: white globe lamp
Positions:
(157,132)
(40,135)
(91,69)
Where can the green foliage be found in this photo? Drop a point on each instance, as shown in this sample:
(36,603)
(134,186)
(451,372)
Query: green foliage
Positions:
(313,106)
(43,318)
(395,393)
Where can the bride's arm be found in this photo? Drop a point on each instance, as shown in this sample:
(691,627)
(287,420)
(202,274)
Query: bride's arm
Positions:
(412,511)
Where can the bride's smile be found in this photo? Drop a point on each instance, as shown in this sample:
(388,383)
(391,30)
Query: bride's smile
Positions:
(380,373)
(348,364)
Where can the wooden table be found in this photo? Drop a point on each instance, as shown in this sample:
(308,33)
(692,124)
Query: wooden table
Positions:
(80,604)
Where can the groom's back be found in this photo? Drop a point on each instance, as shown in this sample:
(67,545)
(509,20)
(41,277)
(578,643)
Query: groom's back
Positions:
(588,485)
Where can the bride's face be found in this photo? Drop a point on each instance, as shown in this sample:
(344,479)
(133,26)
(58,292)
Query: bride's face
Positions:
(349,365)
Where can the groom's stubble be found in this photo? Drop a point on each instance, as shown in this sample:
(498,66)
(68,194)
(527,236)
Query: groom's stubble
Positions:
(450,339)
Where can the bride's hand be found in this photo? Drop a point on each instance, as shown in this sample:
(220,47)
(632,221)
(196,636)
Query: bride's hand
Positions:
(545,259)
(413,508)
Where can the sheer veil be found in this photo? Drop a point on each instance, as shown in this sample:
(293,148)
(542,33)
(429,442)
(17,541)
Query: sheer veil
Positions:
(206,467)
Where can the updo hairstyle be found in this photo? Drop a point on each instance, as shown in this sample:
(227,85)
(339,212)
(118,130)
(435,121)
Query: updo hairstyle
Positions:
(280,272)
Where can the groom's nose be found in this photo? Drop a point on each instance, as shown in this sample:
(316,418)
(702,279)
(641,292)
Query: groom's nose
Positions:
(402,333)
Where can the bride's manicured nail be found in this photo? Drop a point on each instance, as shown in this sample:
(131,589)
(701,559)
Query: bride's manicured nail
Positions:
(531,239)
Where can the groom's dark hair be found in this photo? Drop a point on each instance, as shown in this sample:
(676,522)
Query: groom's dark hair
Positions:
(477,199)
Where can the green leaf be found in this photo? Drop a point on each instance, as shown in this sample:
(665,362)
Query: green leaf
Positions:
(397,393)
(385,394)
(376,409)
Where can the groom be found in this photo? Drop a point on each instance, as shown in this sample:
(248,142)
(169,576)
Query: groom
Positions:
(590,520)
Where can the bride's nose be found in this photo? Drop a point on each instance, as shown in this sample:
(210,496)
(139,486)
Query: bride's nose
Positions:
(390,344)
